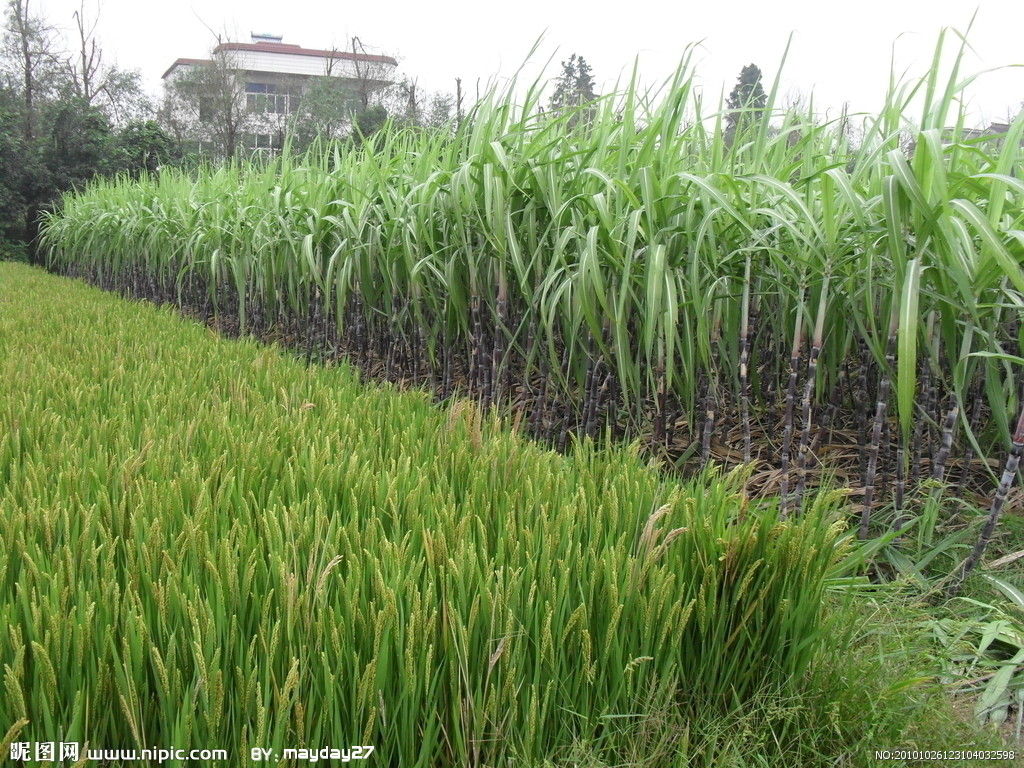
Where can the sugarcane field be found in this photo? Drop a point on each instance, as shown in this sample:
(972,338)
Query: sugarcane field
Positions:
(390,403)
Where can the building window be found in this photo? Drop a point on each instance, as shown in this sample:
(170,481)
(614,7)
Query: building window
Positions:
(267,103)
(269,99)
(268,142)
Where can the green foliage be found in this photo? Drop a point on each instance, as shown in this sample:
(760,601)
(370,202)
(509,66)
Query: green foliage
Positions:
(55,117)
(16,169)
(72,144)
(76,144)
(327,110)
(13,250)
(983,644)
(144,147)
(747,100)
(261,553)
(370,120)
(574,90)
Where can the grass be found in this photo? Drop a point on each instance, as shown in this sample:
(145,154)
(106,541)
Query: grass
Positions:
(210,544)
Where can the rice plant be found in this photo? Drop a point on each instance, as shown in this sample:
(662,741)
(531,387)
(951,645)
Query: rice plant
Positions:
(783,294)
(208,543)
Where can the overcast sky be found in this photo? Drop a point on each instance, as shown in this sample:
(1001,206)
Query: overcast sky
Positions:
(840,51)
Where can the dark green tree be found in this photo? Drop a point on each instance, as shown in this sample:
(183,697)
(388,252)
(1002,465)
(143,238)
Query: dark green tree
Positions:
(369,121)
(574,90)
(585,87)
(747,100)
(17,170)
(55,116)
(143,146)
(77,144)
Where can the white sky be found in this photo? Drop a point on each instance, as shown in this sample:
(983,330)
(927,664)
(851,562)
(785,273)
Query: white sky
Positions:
(841,50)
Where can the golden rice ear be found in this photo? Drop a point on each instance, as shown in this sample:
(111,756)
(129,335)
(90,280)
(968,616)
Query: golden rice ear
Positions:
(648,535)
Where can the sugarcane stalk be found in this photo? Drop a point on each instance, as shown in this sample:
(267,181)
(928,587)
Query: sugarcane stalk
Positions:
(709,421)
(602,398)
(310,325)
(659,404)
(921,423)
(863,388)
(540,404)
(808,398)
(486,393)
(744,362)
(787,429)
(553,424)
(996,508)
(899,487)
(596,385)
(948,430)
(475,334)
(973,423)
(589,387)
(825,426)
(446,356)
(500,335)
(876,430)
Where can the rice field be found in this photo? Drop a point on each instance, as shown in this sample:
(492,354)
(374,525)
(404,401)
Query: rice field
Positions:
(208,543)
(801,293)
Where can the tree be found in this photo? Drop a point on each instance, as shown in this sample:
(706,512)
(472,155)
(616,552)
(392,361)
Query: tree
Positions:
(31,71)
(31,61)
(55,115)
(413,111)
(574,90)
(369,121)
(339,107)
(17,168)
(441,112)
(372,74)
(458,103)
(584,81)
(117,92)
(143,147)
(206,102)
(376,96)
(747,99)
(326,111)
(404,102)
(77,143)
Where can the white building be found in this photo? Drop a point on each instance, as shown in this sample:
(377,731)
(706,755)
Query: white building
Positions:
(273,75)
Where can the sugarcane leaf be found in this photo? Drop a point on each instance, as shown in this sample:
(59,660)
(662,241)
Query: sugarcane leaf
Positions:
(907,332)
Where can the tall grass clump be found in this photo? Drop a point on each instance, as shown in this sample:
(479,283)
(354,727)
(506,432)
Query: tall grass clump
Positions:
(793,291)
(209,544)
